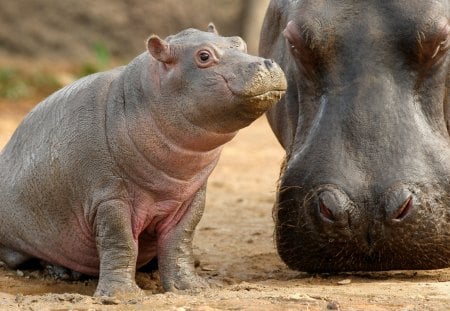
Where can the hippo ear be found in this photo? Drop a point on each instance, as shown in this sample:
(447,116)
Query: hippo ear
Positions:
(159,49)
(212,28)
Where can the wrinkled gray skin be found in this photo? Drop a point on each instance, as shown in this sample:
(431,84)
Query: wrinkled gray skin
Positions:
(365,125)
(111,171)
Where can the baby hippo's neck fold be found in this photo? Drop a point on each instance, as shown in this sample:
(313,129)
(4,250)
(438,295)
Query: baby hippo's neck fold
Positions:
(151,141)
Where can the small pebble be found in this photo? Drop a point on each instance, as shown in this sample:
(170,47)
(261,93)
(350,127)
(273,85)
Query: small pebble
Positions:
(302,297)
(133,301)
(19,273)
(333,305)
(208,268)
(196,262)
(344,282)
(19,298)
(110,301)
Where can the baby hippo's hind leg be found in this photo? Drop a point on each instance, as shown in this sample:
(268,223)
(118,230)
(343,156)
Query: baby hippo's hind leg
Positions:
(12,258)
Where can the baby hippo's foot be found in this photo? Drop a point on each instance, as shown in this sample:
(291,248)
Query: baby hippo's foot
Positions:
(192,281)
(61,273)
(118,289)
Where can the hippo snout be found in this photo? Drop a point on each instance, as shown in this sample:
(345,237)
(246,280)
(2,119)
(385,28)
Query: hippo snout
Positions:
(256,78)
(256,86)
(329,228)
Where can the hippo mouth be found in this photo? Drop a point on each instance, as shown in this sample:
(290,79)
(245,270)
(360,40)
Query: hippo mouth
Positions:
(259,104)
(270,95)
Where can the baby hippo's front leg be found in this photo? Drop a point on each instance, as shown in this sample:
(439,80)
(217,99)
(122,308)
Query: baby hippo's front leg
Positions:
(175,254)
(117,250)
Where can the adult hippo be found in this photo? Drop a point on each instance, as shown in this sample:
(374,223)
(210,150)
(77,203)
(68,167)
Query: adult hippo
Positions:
(365,126)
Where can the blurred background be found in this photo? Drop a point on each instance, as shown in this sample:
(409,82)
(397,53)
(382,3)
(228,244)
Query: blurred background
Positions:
(45,44)
(72,28)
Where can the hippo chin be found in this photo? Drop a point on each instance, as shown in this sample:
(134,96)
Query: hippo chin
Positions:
(110,172)
(365,125)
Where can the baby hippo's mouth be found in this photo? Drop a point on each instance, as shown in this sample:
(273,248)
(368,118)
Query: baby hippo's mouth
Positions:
(267,96)
(256,105)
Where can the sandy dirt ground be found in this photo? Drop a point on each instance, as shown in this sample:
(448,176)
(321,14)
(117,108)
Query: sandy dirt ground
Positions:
(236,253)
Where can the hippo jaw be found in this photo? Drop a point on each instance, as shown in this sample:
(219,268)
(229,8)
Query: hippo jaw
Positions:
(254,106)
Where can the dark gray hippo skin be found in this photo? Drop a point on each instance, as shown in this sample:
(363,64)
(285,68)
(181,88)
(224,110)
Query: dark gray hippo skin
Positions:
(111,171)
(365,126)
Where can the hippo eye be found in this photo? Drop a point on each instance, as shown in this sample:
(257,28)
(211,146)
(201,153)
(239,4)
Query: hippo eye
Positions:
(441,47)
(433,47)
(302,51)
(291,45)
(205,58)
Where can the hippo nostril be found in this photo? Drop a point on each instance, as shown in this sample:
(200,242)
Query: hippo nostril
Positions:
(404,209)
(333,207)
(399,204)
(325,211)
(268,63)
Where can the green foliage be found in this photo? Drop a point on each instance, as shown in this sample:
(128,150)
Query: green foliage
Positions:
(102,60)
(12,87)
(17,85)
(43,82)
(102,54)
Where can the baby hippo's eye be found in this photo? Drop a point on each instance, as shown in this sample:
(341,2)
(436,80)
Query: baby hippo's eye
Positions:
(205,58)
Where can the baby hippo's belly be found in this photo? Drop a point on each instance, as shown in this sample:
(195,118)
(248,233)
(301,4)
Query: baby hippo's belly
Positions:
(79,253)
(69,241)
(77,249)
(71,247)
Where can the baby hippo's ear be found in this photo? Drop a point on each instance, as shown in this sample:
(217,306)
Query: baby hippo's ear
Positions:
(159,49)
(212,28)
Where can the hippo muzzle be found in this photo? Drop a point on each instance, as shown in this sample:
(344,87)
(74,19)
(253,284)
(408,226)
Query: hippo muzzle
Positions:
(265,87)
(328,227)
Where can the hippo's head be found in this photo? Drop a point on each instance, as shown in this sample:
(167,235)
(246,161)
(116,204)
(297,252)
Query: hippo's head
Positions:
(365,125)
(213,82)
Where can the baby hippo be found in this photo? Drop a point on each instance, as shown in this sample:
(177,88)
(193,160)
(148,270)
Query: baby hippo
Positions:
(110,172)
